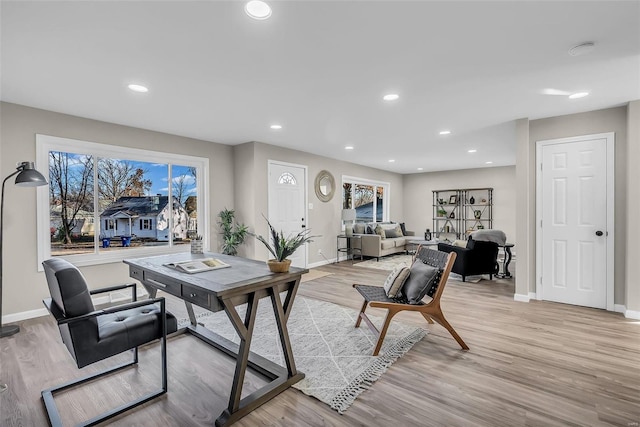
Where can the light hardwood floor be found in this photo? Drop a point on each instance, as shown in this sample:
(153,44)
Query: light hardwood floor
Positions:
(535,364)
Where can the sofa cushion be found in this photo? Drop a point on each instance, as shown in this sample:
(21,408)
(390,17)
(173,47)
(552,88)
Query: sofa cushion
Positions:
(422,278)
(395,280)
(380,232)
(387,244)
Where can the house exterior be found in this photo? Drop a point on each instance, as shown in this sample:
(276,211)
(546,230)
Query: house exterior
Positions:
(145,217)
(83,224)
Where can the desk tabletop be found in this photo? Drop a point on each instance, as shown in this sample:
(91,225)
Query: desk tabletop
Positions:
(243,275)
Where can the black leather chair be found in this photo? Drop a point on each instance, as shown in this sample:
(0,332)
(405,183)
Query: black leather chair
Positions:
(92,335)
(478,257)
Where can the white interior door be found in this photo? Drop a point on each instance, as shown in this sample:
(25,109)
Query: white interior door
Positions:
(574,220)
(287,203)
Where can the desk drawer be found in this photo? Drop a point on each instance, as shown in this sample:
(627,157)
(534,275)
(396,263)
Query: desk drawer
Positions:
(162,283)
(195,295)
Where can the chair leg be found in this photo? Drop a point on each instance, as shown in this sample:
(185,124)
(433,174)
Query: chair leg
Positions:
(463,278)
(427,318)
(364,307)
(383,331)
(439,317)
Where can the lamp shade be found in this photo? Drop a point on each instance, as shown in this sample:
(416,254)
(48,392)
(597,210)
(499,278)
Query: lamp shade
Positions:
(348,214)
(29,176)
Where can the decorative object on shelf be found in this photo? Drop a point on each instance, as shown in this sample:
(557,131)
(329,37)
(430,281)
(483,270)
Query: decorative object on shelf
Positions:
(483,201)
(480,227)
(325,186)
(477,214)
(233,234)
(452,215)
(472,200)
(28,176)
(427,235)
(348,216)
(442,212)
(197,245)
(282,247)
(453,199)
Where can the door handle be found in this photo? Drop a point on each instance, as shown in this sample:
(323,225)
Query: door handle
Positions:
(599,233)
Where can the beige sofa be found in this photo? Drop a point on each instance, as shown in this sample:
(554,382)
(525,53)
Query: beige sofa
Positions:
(374,245)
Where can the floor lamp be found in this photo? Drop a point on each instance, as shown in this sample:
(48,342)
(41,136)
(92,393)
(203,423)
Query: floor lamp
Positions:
(28,176)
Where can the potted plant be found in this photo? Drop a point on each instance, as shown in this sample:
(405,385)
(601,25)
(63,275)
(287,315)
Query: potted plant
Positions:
(233,234)
(282,247)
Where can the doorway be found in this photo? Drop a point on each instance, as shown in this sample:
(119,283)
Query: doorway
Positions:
(575,227)
(288,203)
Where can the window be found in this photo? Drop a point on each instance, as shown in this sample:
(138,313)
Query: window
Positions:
(287,178)
(104,203)
(368,198)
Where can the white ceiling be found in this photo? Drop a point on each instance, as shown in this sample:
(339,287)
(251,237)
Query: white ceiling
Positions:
(320,69)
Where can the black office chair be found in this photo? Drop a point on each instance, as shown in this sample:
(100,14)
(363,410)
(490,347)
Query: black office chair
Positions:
(92,335)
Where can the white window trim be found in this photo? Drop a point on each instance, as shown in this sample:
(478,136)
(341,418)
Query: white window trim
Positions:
(47,143)
(364,181)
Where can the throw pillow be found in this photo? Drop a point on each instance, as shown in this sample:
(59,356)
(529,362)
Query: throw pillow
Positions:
(395,280)
(359,228)
(393,232)
(422,278)
(403,228)
(380,232)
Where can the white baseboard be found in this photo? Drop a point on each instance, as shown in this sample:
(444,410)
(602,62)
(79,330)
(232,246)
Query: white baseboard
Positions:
(321,263)
(631,314)
(533,295)
(619,308)
(521,297)
(116,296)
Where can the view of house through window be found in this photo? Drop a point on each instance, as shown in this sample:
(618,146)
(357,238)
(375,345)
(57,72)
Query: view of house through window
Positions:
(368,199)
(101,204)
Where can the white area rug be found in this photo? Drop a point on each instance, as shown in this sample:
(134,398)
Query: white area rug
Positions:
(334,355)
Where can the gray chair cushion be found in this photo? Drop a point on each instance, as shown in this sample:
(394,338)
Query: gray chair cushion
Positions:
(67,287)
(422,278)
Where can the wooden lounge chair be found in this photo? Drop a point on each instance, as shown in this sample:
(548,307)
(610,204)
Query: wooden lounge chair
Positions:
(375,296)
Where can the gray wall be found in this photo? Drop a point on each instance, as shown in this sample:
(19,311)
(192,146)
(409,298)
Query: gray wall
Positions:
(632,252)
(418,211)
(608,120)
(325,218)
(24,287)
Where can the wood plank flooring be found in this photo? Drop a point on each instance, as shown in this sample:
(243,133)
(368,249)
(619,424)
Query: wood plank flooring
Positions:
(535,364)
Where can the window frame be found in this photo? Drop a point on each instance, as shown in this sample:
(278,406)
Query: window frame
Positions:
(386,194)
(48,143)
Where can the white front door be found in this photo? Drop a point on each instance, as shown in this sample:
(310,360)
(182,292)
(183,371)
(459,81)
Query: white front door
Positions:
(287,203)
(573,211)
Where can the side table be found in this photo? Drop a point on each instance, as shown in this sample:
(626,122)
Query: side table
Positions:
(353,246)
(505,262)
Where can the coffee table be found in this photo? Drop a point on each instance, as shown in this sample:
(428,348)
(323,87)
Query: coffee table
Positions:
(416,243)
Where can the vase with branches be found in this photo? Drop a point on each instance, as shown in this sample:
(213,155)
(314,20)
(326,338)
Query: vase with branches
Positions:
(233,234)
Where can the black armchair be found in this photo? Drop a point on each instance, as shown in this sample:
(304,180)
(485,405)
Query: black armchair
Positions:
(91,335)
(478,257)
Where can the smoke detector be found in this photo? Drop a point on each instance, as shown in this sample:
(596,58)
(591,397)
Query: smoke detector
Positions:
(582,49)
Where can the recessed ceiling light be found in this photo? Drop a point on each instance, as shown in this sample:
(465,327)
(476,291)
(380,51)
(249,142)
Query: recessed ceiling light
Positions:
(391,97)
(348,147)
(488,163)
(550,91)
(138,88)
(257,9)
(445,132)
(391,160)
(420,169)
(581,49)
(578,95)
(276,127)
(473,150)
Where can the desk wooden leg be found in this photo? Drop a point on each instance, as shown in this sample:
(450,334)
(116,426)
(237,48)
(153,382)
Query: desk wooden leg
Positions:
(282,315)
(192,315)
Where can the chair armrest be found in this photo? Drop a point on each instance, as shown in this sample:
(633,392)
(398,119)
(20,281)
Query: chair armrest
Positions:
(111,288)
(96,313)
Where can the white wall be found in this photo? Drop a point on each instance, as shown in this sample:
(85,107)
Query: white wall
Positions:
(418,210)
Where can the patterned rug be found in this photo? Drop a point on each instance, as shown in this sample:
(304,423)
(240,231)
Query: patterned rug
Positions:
(334,355)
